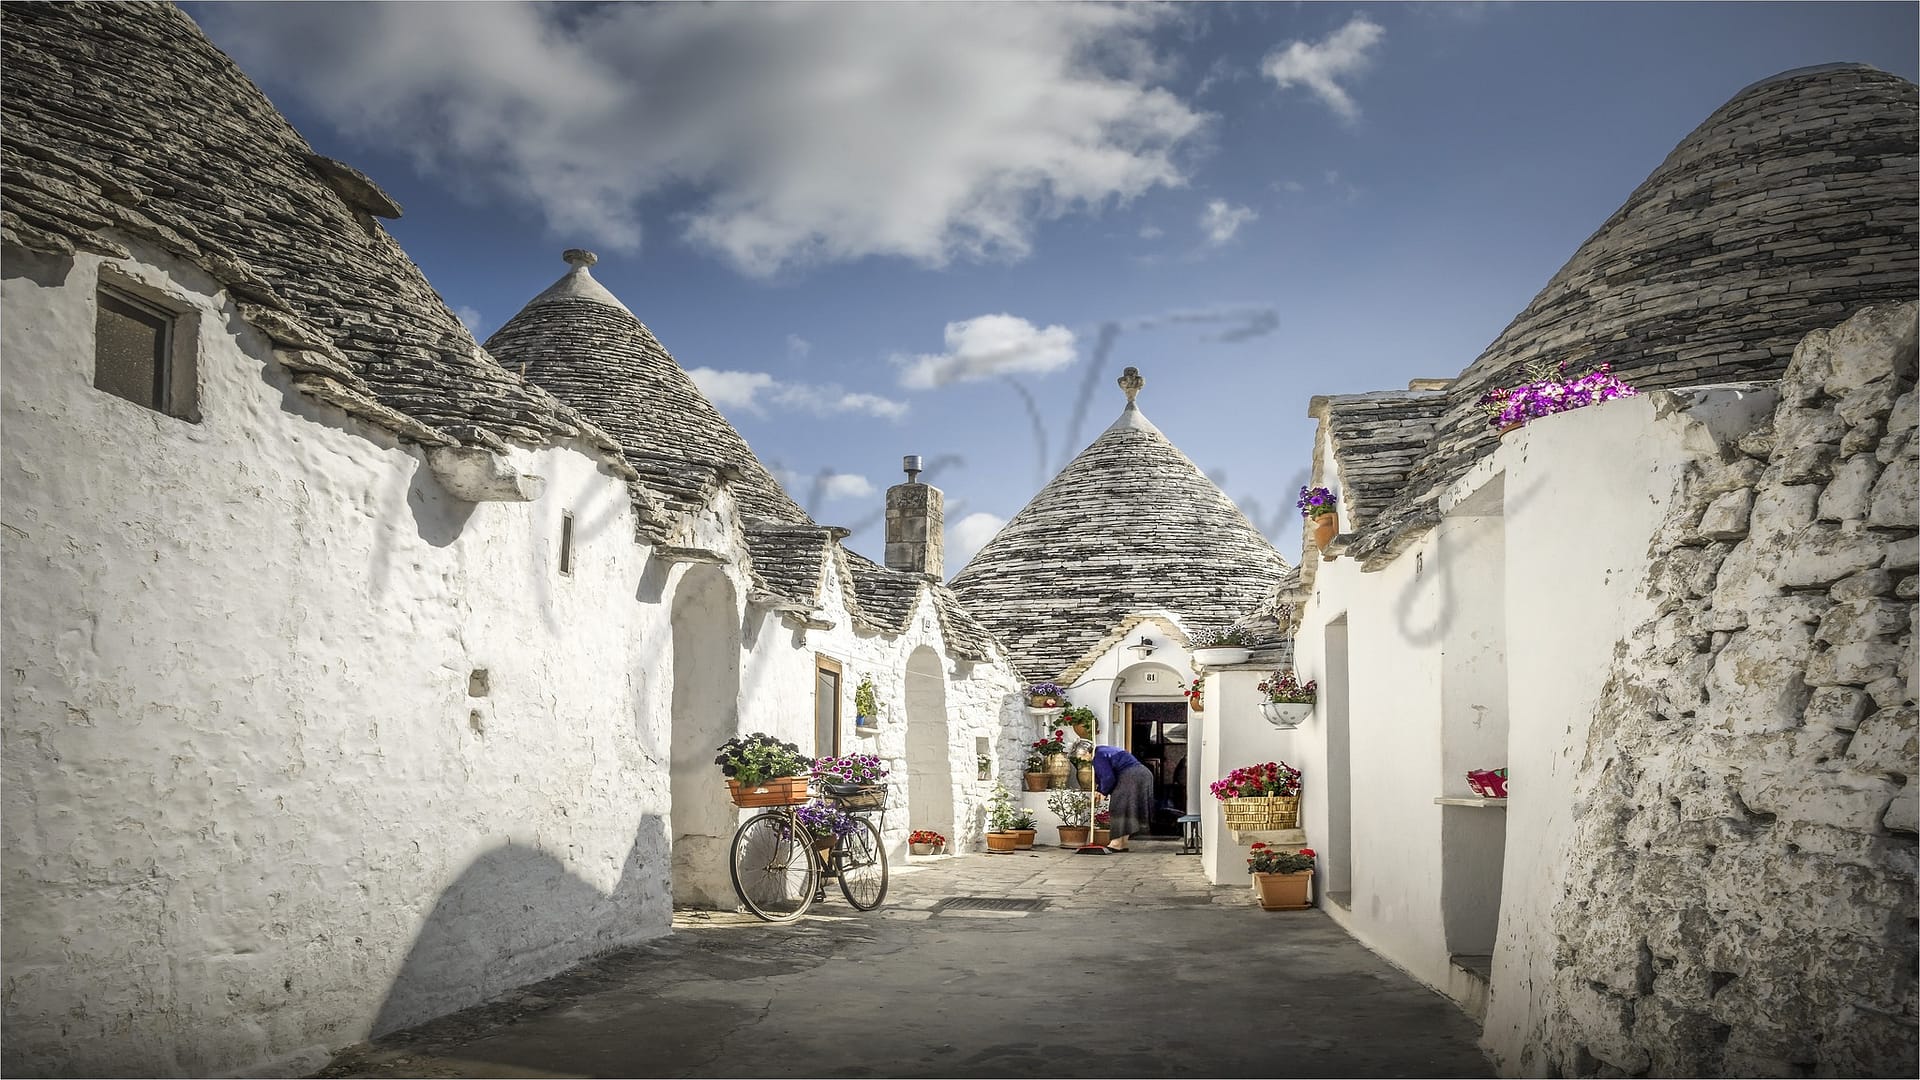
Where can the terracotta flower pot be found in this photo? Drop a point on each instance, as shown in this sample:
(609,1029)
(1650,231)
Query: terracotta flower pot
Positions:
(1000,842)
(1074,835)
(1325,526)
(1101,836)
(1024,841)
(1515,426)
(1036,781)
(1284,892)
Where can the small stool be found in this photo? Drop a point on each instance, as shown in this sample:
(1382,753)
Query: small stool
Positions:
(1190,834)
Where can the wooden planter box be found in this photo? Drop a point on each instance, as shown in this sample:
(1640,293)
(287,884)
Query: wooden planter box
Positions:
(784,791)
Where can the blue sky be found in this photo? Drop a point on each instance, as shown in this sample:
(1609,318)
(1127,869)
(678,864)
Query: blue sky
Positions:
(873,231)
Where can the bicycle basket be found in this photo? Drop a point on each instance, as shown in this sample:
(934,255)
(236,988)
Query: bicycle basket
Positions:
(855,796)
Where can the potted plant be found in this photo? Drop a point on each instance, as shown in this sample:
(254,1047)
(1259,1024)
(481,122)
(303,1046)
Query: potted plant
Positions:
(1080,719)
(1025,825)
(866,704)
(1548,390)
(1195,692)
(1289,701)
(1283,880)
(1046,695)
(1101,834)
(1082,755)
(1263,796)
(1215,648)
(1072,808)
(1318,506)
(1035,776)
(852,781)
(1002,815)
(1052,751)
(825,824)
(763,771)
(926,842)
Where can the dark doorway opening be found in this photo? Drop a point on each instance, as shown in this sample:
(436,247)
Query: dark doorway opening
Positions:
(1157,733)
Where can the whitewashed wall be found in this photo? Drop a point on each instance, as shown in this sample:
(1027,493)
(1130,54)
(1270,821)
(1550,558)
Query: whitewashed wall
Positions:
(256,804)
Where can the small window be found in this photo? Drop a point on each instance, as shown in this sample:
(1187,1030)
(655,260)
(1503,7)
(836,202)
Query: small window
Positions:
(566,542)
(826,707)
(143,353)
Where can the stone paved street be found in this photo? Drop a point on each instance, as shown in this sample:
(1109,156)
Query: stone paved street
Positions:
(1135,966)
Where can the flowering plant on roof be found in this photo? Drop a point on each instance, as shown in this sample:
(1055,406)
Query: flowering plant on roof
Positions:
(1548,390)
(1273,860)
(1231,637)
(1315,501)
(863,769)
(1283,686)
(1258,781)
(1055,743)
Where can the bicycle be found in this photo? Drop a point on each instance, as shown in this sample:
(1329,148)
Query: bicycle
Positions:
(779,874)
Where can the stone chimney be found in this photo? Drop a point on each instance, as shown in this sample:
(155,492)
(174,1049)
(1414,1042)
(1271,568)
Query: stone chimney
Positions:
(916,524)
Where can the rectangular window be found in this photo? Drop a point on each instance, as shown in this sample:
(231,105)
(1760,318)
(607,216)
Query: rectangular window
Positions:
(826,707)
(566,542)
(143,350)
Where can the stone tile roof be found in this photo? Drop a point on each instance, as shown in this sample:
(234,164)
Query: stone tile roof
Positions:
(787,558)
(579,342)
(1377,440)
(1790,206)
(1129,525)
(124,125)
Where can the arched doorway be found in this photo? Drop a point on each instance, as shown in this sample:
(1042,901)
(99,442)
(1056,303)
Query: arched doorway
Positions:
(1149,719)
(929,746)
(706,713)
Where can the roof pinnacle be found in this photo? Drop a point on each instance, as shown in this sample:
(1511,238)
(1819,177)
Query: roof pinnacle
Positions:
(579,258)
(1131,382)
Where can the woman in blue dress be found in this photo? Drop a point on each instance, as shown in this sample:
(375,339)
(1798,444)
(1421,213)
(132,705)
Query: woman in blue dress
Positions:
(1128,786)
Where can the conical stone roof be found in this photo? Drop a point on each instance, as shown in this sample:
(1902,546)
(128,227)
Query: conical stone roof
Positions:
(577,341)
(1130,524)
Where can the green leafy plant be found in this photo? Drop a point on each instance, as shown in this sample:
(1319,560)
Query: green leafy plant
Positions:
(1272,860)
(1078,716)
(1024,819)
(1036,761)
(759,757)
(1073,808)
(1282,686)
(865,702)
(1001,813)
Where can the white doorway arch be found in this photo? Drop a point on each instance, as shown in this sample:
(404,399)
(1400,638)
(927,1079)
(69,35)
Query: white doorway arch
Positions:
(929,746)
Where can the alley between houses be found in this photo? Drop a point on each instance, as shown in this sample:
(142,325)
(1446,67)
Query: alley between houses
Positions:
(1132,965)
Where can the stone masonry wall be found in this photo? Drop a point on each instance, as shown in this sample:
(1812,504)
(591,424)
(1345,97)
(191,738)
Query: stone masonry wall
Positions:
(1743,899)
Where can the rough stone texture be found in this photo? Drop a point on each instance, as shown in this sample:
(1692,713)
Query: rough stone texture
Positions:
(1130,525)
(1743,887)
(916,529)
(191,156)
(1790,206)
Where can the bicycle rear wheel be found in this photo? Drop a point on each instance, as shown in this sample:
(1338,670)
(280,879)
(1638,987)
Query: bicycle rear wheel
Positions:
(773,868)
(861,862)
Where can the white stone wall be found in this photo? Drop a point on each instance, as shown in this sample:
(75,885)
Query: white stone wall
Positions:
(299,748)
(256,802)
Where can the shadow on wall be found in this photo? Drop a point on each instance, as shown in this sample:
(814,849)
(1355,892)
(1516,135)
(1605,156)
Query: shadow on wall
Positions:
(517,915)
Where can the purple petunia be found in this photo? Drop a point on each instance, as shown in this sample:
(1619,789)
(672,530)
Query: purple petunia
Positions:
(1314,501)
(1548,391)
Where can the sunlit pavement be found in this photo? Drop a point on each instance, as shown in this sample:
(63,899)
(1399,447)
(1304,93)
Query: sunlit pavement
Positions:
(1132,966)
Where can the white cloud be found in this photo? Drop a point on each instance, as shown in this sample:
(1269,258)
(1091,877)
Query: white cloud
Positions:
(1318,67)
(848,486)
(989,345)
(968,535)
(1151,232)
(798,348)
(1292,186)
(469,317)
(757,391)
(796,133)
(1220,220)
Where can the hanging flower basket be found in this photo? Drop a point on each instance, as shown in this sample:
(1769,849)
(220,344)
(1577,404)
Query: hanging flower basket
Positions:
(1221,656)
(1250,813)
(1286,715)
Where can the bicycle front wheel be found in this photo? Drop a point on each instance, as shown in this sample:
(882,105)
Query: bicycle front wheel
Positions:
(861,862)
(773,868)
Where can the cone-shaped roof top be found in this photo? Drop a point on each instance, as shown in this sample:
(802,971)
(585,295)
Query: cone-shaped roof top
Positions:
(1786,209)
(580,343)
(1130,524)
